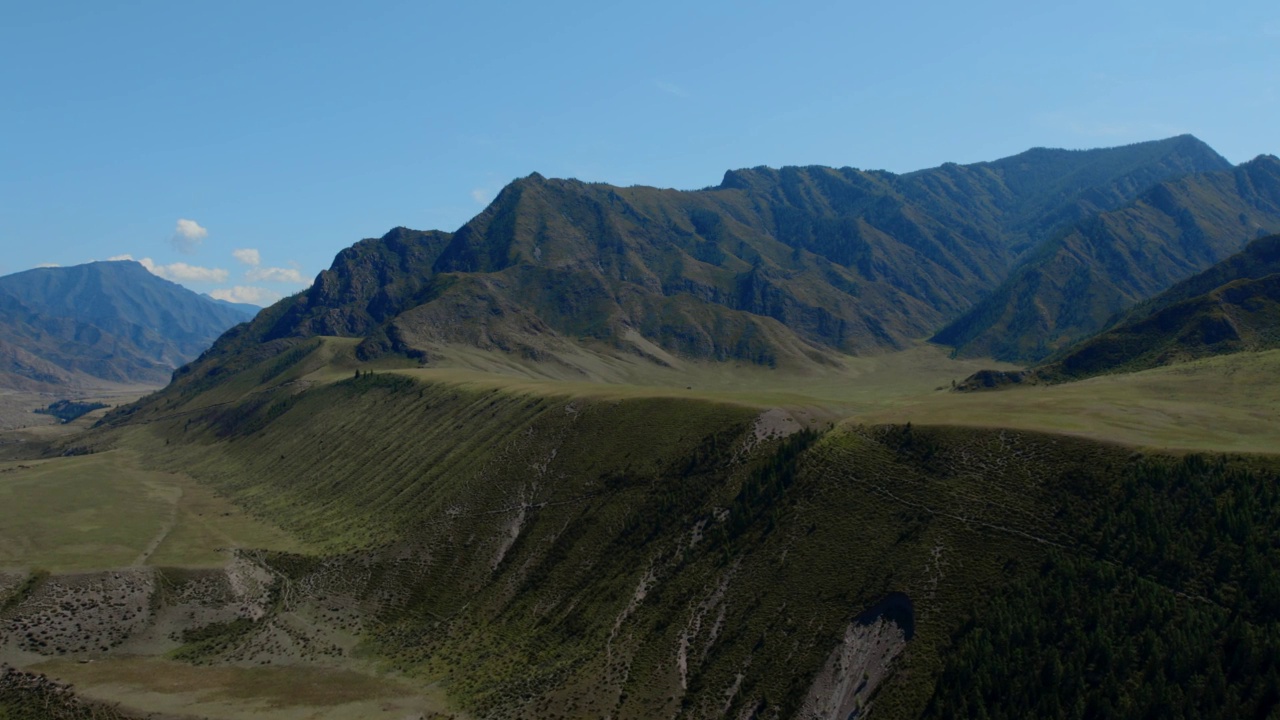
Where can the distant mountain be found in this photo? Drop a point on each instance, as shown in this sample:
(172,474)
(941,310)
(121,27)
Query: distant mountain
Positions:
(103,321)
(1232,306)
(1073,284)
(244,308)
(776,267)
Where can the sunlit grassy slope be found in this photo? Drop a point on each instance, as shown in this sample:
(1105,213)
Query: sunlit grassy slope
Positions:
(1229,403)
(104,511)
(1226,403)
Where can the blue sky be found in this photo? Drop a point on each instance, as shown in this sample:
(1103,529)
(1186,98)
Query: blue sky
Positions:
(183,132)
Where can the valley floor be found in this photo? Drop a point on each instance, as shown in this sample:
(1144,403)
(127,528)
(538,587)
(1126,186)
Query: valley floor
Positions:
(1228,403)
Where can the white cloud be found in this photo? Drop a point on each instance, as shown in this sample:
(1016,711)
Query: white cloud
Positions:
(246,294)
(256,273)
(125,256)
(187,236)
(248,256)
(480,195)
(276,274)
(182,272)
(671,88)
(45,265)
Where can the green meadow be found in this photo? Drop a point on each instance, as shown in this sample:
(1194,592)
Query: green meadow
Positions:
(105,510)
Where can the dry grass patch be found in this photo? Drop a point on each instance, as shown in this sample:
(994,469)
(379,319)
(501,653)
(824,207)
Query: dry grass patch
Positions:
(269,693)
(104,511)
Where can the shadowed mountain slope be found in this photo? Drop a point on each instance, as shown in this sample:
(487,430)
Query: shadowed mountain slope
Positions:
(1233,306)
(103,321)
(1070,287)
(774,267)
(1240,310)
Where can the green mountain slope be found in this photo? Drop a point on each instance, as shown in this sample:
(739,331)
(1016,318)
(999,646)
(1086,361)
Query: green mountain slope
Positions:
(774,267)
(103,321)
(547,555)
(1257,260)
(1231,307)
(1071,286)
(1243,315)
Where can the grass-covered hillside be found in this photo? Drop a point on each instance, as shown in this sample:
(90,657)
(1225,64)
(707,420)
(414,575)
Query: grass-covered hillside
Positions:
(532,552)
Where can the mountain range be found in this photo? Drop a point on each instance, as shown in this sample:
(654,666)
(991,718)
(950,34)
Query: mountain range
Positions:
(1069,287)
(102,322)
(793,267)
(1234,306)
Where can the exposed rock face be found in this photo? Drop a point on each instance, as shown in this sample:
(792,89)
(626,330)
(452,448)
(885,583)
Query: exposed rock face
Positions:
(844,687)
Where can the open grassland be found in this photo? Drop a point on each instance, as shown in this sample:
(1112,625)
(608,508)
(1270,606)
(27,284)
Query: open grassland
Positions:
(238,693)
(17,407)
(855,385)
(17,410)
(849,385)
(1229,403)
(551,547)
(104,511)
(597,561)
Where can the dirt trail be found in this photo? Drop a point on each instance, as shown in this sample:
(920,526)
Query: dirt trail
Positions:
(165,529)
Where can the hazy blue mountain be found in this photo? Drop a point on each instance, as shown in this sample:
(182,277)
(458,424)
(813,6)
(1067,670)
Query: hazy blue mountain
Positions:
(111,321)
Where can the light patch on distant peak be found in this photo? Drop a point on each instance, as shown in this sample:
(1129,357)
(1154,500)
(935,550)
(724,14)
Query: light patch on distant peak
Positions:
(48,265)
(247,256)
(182,272)
(250,294)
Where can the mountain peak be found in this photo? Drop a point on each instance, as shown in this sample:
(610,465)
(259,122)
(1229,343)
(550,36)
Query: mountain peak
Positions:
(1264,160)
(109,320)
(1192,146)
